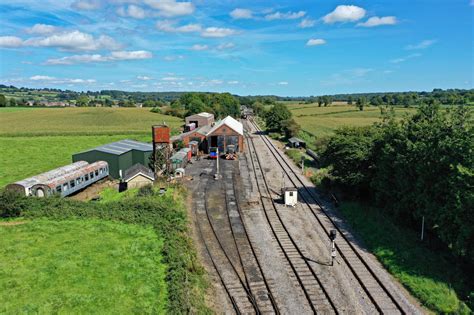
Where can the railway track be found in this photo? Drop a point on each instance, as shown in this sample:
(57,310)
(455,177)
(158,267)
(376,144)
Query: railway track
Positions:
(244,281)
(307,278)
(382,297)
(235,288)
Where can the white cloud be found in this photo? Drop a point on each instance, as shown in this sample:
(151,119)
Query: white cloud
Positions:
(217,32)
(471,3)
(114,56)
(285,15)
(422,45)
(41,29)
(132,11)
(172,79)
(315,42)
(167,26)
(131,55)
(359,72)
(305,23)
(241,14)
(42,78)
(233,82)
(226,46)
(283,83)
(173,58)
(171,8)
(144,78)
(52,80)
(377,21)
(74,40)
(403,59)
(86,5)
(344,13)
(10,41)
(199,47)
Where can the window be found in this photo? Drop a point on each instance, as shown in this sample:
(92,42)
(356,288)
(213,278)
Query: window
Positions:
(91,175)
(291,194)
(65,187)
(78,181)
(96,172)
(58,189)
(72,183)
(86,177)
(101,170)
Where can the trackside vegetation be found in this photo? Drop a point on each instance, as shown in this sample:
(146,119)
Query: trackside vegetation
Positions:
(80,266)
(166,214)
(418,167)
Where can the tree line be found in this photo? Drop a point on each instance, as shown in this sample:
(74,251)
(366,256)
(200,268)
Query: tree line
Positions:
(419,167)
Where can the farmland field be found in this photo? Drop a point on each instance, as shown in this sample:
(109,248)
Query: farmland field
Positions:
(37,140)
(322,121)
(72,266)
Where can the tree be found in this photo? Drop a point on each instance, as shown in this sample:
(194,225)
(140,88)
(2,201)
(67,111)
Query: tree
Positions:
(327,100)
(13,102)
(320,101)
(82,100)
(3,101)
(290,127)
(276,115)
(350,99)
(149,103)
(361,102)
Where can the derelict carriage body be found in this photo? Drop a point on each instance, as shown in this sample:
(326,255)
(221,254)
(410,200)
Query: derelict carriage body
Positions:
(64,181)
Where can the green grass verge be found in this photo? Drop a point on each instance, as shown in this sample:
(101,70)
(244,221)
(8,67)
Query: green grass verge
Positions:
(81,267)
(432,277)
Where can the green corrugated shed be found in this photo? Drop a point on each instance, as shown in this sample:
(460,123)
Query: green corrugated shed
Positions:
(120,155)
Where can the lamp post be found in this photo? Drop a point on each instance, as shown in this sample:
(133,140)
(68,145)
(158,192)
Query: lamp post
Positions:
(332,237)
(216,176)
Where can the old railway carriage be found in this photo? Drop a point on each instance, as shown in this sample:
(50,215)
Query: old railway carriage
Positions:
(63,181)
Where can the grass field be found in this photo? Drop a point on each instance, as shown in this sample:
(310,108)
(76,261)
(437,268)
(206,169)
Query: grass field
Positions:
(80,267)
(81,121)
(432,276)
(38,140)
(322,121)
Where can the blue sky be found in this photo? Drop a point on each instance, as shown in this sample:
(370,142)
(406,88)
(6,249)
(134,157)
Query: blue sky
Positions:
(245,47)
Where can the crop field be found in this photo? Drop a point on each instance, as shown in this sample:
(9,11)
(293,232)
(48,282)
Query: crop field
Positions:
(81,121)
(322,121)
(72,266)
(37,140)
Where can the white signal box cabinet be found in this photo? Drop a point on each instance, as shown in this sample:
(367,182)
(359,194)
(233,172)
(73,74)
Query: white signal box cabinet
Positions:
(290,196)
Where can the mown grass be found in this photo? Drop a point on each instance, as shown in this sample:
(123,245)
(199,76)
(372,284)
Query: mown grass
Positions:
(21,157)
(81,267)
(322,121)
(82,121)
(434,277)
(15,109)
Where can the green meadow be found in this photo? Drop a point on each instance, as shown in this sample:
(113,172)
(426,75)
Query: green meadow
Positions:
(322,121)
(37,140)
(80,267)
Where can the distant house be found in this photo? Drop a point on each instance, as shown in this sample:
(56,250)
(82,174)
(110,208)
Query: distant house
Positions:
(138,176)
(296,143)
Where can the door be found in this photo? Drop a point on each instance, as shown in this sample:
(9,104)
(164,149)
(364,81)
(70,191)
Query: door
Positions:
(40,192)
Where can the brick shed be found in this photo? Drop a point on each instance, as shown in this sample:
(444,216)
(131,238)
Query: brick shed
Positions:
(201,119)
(227,131)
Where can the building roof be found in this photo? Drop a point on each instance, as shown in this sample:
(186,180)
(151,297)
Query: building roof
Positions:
(123,146)
(138,169)
(231,123)
(203,114)
(201,130)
